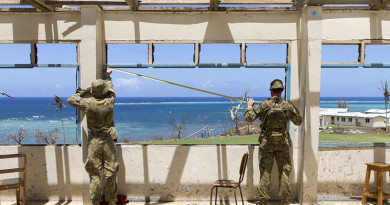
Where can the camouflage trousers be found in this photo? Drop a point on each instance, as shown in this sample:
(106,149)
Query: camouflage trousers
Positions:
(102,160)
(267,152)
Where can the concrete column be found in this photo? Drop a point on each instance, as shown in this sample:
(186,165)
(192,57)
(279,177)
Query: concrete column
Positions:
(310,77)
(92,57)
(295,99)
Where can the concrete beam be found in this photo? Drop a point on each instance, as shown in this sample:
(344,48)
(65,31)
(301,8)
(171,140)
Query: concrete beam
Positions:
(40,27)
(216,5)
(10,2)
(310,78)
(299,4)
(211,5)
(39,5)
(33,53)
(347,2)
(379,6)
(205,2)
(356,25)
(161,2)
(133,4)
(198,27)
(85,2)
(256,2)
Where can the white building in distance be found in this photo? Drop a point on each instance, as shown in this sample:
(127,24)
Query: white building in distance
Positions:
(374,118)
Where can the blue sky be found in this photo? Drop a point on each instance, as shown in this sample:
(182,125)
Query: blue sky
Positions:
(47,82)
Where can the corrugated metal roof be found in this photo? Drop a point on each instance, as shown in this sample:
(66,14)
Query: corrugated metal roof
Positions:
(377,111)
(334,110)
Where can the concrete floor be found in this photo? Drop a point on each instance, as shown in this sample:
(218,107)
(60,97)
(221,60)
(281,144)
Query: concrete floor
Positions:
(350,202)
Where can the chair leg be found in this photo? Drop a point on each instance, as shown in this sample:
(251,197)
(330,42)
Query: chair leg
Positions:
(235,197)
(216,194)
(242,198)
(379,186)
(211,195)
(17,196)
(24,196)
(366,182)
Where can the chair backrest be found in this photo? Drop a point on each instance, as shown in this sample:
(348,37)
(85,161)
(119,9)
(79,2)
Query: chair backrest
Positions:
(244,161)
(18,169)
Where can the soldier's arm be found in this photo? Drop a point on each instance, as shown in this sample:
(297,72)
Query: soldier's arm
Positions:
(294,114)
(251,113)
(76,101)
(109,83)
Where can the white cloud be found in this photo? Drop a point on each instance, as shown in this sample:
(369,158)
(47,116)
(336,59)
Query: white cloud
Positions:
(208,84)
(131,83)
(58,86)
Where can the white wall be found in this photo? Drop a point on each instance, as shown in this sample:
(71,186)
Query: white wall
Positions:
(342,169)
(176,172)
(53,172)
(374,122)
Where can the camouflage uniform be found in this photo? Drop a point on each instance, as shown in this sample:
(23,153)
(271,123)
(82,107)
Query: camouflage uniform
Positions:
(101,135)
(274,144)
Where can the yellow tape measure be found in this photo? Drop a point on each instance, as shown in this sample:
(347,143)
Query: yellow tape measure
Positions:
(184,86)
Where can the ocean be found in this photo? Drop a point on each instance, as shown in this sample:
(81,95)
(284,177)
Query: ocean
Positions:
(140,118)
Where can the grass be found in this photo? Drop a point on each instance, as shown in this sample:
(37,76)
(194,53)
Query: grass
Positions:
(252,139)
(326,137)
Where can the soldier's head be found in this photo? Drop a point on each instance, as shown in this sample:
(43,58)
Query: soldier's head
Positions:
(276,87)
(99,88)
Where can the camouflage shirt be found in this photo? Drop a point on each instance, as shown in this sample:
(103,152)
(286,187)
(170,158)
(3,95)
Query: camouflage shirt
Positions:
(292,113)
(100,112)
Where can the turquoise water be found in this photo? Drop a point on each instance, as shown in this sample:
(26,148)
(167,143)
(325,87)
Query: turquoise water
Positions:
(140,118)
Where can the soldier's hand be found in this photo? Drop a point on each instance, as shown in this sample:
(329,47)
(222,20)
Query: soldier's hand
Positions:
(250,102)
(79,90)
(108,72)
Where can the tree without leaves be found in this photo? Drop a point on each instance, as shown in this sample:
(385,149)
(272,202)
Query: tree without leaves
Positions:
(201,122)
(180,127)
(342,104)
(235,111)
(17,137)
(386,93)
(59,105)
(49,138)
(218,129)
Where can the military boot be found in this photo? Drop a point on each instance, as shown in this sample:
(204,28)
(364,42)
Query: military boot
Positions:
(284,202)
(262,202)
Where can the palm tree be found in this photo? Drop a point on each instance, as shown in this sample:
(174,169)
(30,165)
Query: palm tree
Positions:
(59,105)
(386,93)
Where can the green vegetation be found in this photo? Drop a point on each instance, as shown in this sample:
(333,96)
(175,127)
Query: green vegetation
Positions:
(327,137)
(252,139)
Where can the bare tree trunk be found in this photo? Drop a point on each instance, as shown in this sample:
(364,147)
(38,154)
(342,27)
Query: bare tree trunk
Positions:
(387,120)
(236,125)
(63,129)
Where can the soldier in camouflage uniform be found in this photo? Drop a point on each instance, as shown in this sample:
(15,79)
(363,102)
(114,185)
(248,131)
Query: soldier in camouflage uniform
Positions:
(274,141)
(102,135)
